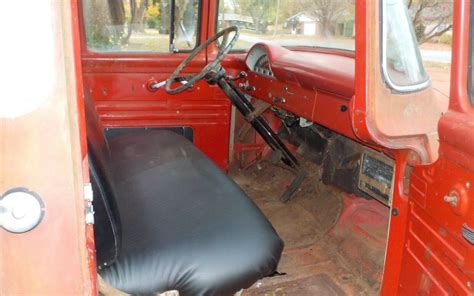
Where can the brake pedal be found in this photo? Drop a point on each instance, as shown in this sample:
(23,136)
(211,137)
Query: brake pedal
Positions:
(291,190)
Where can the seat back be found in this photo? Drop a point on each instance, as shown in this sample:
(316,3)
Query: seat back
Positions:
(107,230)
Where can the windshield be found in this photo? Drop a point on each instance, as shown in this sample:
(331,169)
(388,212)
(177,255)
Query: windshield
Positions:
(313,23)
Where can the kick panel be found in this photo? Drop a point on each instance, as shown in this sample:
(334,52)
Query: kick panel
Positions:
(376,176)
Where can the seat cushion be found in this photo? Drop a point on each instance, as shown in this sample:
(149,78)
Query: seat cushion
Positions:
(185,225)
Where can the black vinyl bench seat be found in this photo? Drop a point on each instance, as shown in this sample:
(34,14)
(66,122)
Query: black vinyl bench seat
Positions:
(167,218)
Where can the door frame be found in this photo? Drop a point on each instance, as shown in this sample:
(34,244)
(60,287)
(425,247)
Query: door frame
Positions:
(456,133)
(43,150)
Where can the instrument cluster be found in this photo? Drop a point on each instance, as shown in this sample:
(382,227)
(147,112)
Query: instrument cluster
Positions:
(258,61)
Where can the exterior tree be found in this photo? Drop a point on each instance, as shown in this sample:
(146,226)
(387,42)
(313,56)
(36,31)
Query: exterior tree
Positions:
(259,10)
(327,12)
(431,18)
(139,16)
(152,16)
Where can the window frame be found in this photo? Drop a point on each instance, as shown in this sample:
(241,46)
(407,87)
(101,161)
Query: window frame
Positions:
(383,61)
(470,69)
(216,30)
(145,53)
(198,29)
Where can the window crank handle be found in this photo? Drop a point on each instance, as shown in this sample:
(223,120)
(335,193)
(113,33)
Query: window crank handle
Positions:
(157,85)
(154,86)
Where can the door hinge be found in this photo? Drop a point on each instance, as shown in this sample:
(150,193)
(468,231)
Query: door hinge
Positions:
(89,197)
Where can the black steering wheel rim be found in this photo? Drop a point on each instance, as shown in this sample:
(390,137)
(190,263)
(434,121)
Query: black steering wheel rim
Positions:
(220,56)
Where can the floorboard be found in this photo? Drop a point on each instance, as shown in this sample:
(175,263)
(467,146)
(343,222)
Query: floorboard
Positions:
(334,242)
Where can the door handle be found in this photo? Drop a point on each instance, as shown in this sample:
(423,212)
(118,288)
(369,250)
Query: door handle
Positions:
(21,210)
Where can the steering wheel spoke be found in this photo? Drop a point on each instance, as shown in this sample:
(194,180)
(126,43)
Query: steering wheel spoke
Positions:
(184,78)
(223,49)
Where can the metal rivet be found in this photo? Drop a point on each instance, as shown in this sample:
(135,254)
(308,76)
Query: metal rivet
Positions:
(442,232)
(468,184)
(395,212)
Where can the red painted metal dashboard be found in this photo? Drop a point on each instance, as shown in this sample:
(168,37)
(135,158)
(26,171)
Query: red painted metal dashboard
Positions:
(316,85)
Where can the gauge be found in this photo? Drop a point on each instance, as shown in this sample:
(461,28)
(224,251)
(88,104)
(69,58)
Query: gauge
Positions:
(258,61)
(263,66)
(262,62)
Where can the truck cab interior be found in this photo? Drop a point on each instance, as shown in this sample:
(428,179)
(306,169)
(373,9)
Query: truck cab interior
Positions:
(306,156)
(271,111)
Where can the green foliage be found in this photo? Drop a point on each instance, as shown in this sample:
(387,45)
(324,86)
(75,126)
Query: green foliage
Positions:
(446,38)
(420,31)
(153,11)
(102,38)
(261,11)
(153,23)
(153,20)
(97,40)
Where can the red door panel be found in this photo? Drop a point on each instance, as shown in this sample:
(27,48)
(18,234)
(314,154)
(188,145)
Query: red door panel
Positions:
(437,256)
(123,100)
(438,238)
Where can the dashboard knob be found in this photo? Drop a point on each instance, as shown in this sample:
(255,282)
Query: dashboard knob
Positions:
(243,74)
(250,88)
(279,100)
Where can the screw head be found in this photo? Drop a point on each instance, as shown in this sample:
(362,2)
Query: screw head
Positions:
(395,212)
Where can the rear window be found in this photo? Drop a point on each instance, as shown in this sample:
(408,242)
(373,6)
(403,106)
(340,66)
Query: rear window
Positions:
(311,23)
(141,25)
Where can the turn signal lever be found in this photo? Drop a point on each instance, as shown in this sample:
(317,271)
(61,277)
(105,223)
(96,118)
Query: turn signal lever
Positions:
(241,75)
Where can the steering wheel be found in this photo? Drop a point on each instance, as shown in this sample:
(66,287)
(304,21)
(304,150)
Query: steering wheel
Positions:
(189,80)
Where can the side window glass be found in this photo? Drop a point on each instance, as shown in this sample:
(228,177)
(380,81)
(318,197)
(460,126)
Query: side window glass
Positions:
(401,59)
(185,24)
(141,25)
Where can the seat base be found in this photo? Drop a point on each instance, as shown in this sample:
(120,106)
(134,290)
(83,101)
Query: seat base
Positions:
(185,225)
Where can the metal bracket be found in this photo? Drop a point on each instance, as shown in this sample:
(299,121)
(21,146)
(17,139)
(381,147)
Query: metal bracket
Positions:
(260,108)
(89,198)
